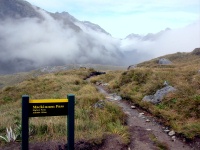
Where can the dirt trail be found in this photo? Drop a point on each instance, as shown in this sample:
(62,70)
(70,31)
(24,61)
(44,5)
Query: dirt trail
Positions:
(142,127)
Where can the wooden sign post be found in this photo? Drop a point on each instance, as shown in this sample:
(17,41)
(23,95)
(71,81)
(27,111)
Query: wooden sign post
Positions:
(48,107)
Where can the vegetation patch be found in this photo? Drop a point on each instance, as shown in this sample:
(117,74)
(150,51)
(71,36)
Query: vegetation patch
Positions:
(180,110)
(90,123)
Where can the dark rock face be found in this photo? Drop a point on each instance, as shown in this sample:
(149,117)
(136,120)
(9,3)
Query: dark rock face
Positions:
(196,51)
(16,9)
(95,73)
(67,19)
(131,67)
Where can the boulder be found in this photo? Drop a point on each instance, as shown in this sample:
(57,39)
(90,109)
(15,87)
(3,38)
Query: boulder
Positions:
(196,51)
(114,97)
(164,61)
(159,95)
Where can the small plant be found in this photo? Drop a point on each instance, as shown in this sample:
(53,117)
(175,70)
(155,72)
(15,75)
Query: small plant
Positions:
(7,99)
(161,106)
(10,135)
(160,145)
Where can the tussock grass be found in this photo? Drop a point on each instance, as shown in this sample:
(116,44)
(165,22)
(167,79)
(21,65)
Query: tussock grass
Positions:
(180,110)
(90,123)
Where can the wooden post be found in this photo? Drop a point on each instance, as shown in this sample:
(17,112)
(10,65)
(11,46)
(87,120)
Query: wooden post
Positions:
(70,121)
(25,122)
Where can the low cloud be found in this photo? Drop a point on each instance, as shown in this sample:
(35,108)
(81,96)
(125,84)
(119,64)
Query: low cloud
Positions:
(171,41)
(32,43)
(27,44)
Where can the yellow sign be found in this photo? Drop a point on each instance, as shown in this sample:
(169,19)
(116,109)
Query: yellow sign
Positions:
(48,107)
(48,101)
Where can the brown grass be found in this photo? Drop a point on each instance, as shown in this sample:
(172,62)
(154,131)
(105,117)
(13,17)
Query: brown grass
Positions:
(179,110)
(90,123)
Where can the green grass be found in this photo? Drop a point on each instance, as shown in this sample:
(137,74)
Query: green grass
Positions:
(159,145)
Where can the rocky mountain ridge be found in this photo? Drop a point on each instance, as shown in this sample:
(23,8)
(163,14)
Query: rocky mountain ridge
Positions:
(147,37)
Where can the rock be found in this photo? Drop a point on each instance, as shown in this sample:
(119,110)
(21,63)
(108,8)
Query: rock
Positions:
(141,115)
(114,96)
(98,83)
(104,84)
(148,98)
(171,133)
(166,130)
(196,51)
(133,107)
(147,120)
(148,129)
(173,138)
(165,83)
(159,95)
(127,113)
(164,61)
(131,67)
(99,104)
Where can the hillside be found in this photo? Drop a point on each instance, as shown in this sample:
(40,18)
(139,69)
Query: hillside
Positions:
(91,123)
(178,110)
(179,60)
(11,79)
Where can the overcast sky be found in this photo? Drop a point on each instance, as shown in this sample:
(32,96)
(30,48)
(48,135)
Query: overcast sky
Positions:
(122,17)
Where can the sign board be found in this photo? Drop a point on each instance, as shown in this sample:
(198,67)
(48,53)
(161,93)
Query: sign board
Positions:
(48,107)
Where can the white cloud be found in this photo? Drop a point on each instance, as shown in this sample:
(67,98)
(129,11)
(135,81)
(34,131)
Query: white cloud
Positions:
(121,18)
(183,39)
(29,43)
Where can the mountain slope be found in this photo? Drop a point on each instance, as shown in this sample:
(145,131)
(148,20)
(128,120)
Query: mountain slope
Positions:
(31,38)
(17,9)
(183,60)
(178,110)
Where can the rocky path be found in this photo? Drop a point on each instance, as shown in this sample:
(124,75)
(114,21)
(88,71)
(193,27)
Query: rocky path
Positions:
(146,133)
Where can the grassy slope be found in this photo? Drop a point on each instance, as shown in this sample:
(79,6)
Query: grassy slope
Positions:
(180,110)
(90,123)
(10,79)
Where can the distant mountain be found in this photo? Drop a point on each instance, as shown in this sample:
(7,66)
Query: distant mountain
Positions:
(31,37)
(149,36)
(94,27)
(16,9)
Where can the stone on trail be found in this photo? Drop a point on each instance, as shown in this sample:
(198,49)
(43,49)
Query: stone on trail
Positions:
(171,133)
(133,107)
(114,96)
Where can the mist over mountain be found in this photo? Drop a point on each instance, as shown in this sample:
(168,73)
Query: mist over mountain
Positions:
(31,37)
